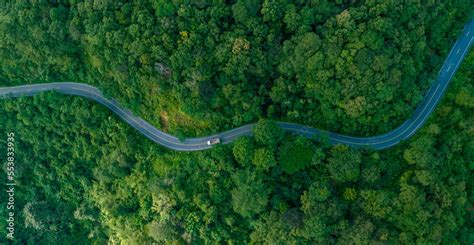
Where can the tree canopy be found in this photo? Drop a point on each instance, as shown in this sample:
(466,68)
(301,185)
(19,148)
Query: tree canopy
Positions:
(194,67)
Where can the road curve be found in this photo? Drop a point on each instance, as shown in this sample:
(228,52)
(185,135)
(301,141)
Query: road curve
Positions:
(404,131)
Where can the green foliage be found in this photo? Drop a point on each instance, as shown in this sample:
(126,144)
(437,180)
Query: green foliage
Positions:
(272,230)
(342,66)
(161,232)
(243,149)
(317,192)
(344,163)
(268,133)
(314,229)
(295,155)
(250,195)
(264,159)
(191,68)
(375,203)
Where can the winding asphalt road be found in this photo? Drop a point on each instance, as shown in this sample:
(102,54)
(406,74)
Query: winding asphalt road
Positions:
(404,131)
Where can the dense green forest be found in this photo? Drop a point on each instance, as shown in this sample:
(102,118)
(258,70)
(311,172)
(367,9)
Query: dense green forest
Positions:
(193,67)
(83,176)
(355,67)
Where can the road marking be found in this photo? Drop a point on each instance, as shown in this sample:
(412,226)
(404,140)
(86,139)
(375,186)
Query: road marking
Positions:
(421,113)
(457,52)
(388,146)
(434,104)
(452,73)
(233,135)
(467,34)
(429,113)
(447,57)
(449,68)
(334,139)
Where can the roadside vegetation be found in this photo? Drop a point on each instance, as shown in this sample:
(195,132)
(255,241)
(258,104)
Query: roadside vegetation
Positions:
(86,177)
(356,67)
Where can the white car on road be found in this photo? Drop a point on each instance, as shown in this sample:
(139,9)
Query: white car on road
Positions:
(213,141)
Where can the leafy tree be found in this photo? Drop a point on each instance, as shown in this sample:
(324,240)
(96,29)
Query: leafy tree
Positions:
(317,192)
(314,229)
(264,159)
(344,164)
(268,133)
(250,194)
(295,155)
(161,232)
(375,203)
(353,67)
(271,229)
(243,149)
